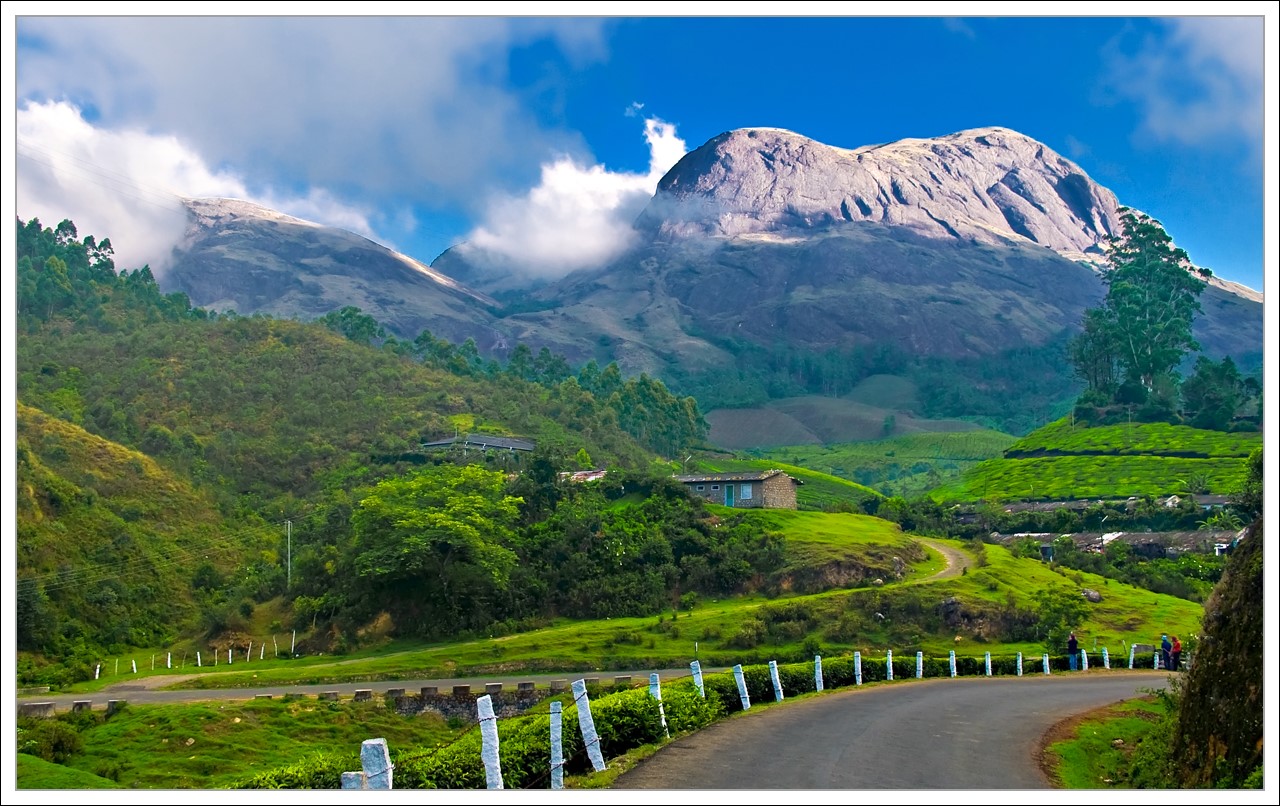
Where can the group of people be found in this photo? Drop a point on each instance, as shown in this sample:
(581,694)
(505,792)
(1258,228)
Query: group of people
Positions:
(1170,652)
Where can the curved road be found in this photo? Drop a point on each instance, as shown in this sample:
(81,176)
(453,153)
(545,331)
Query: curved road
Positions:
(966,733)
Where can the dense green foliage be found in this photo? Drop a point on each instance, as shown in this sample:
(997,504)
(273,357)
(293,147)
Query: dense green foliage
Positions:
(1130,349)
(1143,329)
(447,550)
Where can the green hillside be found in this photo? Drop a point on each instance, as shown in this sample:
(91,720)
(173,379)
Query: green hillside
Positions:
(906,465)
(1062,461)
(109,541)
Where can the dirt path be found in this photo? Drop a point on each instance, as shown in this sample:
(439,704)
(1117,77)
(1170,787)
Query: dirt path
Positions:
(957,560)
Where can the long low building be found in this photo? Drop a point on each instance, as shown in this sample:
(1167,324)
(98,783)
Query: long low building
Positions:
(769,489)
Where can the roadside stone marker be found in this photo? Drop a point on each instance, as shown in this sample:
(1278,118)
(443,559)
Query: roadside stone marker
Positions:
(742,687)
(587,725)
(489,742)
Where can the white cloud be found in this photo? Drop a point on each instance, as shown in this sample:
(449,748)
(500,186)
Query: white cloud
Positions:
(125,184)
(1199,83)
(577,216)
(387,109)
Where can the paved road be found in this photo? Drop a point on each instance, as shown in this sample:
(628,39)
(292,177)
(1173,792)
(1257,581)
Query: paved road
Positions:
(967,733)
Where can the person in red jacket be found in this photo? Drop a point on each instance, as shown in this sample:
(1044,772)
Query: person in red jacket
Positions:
(1175,654)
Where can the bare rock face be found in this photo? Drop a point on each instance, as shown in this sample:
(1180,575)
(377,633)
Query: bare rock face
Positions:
(247,258)
(990,186)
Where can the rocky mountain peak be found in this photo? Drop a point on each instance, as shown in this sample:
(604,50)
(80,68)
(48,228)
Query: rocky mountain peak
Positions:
(987,185)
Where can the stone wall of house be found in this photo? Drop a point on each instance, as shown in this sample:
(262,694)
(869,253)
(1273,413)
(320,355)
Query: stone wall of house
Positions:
(778,492)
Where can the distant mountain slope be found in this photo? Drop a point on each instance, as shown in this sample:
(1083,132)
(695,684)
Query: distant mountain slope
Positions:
(243,257)
(970,247)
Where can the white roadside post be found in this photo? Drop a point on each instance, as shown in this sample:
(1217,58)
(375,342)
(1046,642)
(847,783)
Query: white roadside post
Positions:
(557,747)
(1132,647)
(376,771)
(1084,660)
(742,687)
(777,683)
(1046,663)
(655,691)
(489,742)
(857,667)
(1019,664)
(817,672)
(888,664)
(953,663)
(919,665)
(988,663)
(587,725)
(1106,658)
(697,678)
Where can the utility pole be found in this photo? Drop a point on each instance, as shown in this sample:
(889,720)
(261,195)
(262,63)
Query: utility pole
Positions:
(288,554)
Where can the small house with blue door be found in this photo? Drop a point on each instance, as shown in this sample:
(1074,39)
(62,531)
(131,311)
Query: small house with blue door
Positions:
(769,489)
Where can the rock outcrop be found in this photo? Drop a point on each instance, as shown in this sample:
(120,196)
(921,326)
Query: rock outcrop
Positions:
(991,186)
(247,258)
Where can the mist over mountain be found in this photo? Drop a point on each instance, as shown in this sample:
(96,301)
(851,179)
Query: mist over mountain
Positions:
(961,248)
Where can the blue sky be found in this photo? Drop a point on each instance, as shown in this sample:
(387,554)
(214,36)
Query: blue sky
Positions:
(423,132)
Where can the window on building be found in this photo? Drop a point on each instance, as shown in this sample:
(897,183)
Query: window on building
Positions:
(715,486)
(701,487)
(744,491)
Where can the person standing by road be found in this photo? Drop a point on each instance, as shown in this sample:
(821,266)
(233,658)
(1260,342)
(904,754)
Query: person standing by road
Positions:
(1166,649)
(1073,650)
(1175,655)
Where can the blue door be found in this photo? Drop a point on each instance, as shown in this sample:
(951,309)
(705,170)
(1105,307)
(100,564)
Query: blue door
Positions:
(728,495)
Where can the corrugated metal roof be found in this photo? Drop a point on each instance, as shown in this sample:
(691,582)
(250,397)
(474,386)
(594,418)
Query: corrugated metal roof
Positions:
(484,441)
(757,475)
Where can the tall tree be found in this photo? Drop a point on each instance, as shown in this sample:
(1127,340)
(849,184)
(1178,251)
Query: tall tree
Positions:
(1153,294)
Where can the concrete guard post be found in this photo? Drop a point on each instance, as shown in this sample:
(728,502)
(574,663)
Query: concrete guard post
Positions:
(655,691)
(742,687)
(489,742)
(557,746)
(588,725)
